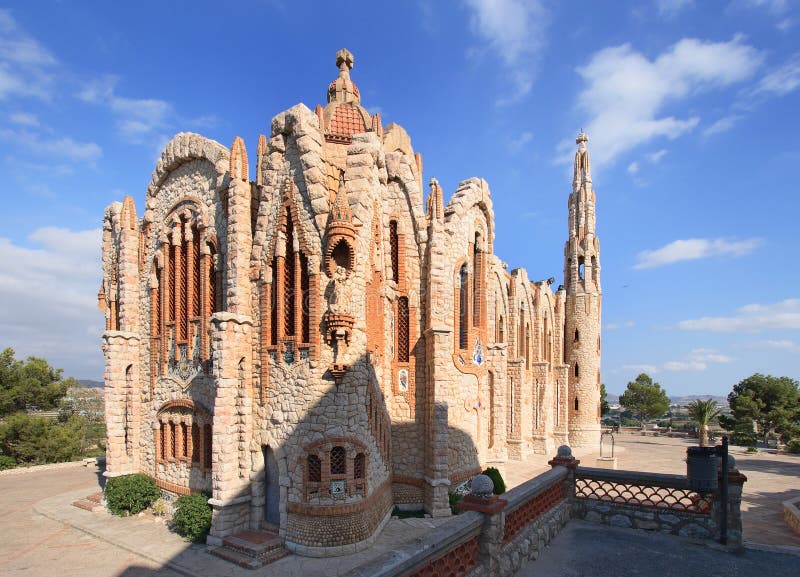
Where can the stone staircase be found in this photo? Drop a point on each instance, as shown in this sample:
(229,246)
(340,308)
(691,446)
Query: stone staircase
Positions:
(90,502)
(251,549)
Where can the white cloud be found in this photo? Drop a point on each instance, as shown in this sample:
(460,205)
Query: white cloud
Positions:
(139,120)
(752,318)
(26,67)
(781,81)
(780,345)
(59,147)
(697,360)
(518,143)
(655,157)
(693,249)
(633,168)
(616,326)
(641,368)
(515,32)
(625,93)
(671,8)
(48,291)
(724,124)
(771,6)
(23,119)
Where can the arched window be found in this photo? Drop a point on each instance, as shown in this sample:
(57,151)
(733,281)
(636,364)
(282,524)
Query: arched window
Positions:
(288,298)
(576,403)
(183,297)
(521,333)
(359,466)
(577,335)
(501,330)
(580,268)
(527,346)
(463,303)
(394,245)
(401,326)
(338,461)
(577,370)
(207,452)
(314,466)
(477,277)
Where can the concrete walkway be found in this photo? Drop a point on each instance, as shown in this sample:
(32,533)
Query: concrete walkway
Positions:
(586,549)
(44,534)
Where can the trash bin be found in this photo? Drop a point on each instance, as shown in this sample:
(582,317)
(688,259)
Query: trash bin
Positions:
(702,469)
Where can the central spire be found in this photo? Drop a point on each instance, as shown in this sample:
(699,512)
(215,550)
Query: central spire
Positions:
(343,89)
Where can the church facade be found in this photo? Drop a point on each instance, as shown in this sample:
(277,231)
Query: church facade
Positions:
(327,341)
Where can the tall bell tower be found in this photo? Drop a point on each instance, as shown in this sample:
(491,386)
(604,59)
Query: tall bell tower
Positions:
(583,305)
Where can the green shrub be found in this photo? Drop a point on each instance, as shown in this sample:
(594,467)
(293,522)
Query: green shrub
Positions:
(130,494)
(752,449)
(497,479)
(192,517)
(454,498)
(793,446)
(7,462)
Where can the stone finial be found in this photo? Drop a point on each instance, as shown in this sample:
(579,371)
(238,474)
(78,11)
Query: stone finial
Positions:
(238,160)
(344,60)
(582,138)
(564,457)
(582,172)
(435,202)
(564,452)
(482,486)
(261,151)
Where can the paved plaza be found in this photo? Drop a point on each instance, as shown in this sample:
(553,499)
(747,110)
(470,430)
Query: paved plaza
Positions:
(44,534)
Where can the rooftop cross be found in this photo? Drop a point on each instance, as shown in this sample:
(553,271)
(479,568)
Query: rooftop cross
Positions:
(344,60)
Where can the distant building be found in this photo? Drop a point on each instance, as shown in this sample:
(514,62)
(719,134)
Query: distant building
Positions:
(322,343)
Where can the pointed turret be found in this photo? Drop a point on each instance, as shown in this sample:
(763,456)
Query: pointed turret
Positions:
(340,233)
(583,304)
(435,209)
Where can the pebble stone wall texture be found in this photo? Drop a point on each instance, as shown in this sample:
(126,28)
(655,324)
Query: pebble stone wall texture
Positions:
(328,305)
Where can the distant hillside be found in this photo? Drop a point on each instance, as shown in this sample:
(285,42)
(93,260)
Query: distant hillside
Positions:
(721,400)
(91,384)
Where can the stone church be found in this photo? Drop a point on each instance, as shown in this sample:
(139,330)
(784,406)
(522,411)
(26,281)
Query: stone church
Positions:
(326,341)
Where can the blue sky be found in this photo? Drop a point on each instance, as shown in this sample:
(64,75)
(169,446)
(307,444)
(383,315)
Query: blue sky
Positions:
(691,108)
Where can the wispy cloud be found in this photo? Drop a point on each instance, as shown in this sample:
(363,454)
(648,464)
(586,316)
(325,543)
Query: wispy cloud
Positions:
(26,67)
(695,360)
(724,124)
(139,120)
(59,147)
(518,143)
(782,80)
(52,285)
(625,92)
(753,318)
(23,119)
(616,326)
(695,248)
(779,345)
(671,8)
(515,32)
(633,168)
(655,157)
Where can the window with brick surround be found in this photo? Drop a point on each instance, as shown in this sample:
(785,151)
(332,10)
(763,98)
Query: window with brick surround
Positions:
(338,461)
(358,466)
(288,298)
(394,245)
(402,330)
(314,466)
(463,304)
(334,470)
(577,370)
(183,296)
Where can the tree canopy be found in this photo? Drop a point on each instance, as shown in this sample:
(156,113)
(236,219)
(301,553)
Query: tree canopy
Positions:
(772,403)
(30,384)
(703,412)
(644,398)
(604,408)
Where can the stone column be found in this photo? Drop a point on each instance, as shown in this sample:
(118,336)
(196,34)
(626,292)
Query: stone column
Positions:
(121,351)
(240,245)
(736,481)
(497,359)
(564,458)
(231,341)
(438,343)
(490,540)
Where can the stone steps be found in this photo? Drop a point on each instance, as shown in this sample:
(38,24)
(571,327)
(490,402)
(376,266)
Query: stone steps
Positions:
(251,549)
(90,502)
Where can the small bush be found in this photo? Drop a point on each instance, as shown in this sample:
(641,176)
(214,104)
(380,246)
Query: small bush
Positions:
(7,462)
(161,508)
(454,498)
(752,450)
(192,518)
(130,494)
(497,479)
(793,446)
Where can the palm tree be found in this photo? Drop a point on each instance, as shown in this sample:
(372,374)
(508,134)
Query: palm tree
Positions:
(703,412)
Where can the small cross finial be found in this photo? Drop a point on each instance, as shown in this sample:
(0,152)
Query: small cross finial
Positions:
(581,137)
(344,59)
